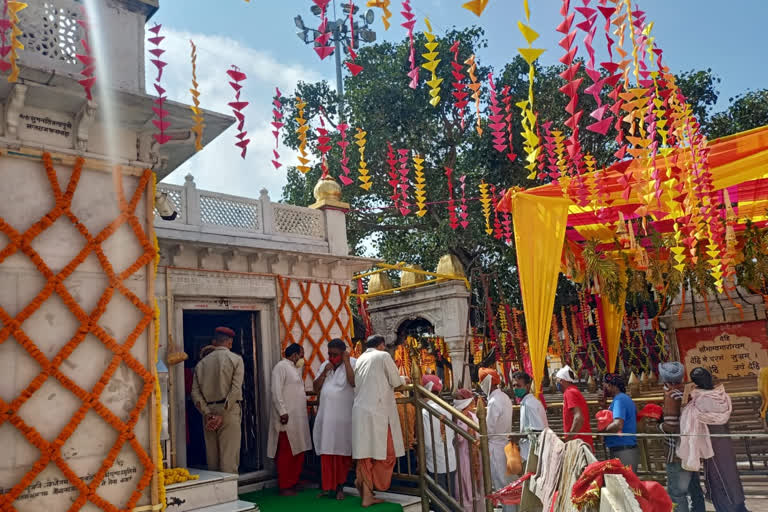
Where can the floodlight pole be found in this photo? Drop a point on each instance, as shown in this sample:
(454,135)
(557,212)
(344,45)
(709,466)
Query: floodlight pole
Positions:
(339,81)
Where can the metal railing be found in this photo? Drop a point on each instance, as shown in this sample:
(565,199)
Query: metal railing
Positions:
(442,488)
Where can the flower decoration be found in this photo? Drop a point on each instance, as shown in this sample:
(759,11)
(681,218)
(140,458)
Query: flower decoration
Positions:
(420,186)
(197,112)
(363,178)
(302,135)
(405,207)
(497,124)
(323,46)
(409,23)
(160,123)
(9,47)
(475,87)
(385,12)
(454,221)
(431,64)
(237,106)
(85,58)
(459,84)
(277,124)
(343,143)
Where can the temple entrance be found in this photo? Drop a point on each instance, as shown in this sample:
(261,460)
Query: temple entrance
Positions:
(198,332)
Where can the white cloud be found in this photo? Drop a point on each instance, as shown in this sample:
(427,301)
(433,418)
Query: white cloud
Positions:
(219,166)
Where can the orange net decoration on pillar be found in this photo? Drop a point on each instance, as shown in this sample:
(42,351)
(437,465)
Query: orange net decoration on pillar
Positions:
(300,319)
(50,451)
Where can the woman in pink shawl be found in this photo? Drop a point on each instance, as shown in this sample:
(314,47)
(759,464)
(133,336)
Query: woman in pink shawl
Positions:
(469,477)
(708,413)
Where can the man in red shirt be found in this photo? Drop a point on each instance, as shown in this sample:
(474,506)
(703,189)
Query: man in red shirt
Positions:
(575,411)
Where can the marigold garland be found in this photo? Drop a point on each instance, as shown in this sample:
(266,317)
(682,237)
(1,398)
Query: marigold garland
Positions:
(50,451)
(177,475)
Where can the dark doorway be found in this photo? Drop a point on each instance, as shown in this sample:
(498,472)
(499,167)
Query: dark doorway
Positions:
(198,332)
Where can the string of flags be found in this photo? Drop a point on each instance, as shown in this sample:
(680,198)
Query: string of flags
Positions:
(197,113)
(159,109)
(237,107)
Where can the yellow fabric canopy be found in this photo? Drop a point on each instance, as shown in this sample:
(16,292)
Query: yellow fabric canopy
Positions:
(539,233)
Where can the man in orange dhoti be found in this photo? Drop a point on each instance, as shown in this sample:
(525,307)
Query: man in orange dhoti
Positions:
(333,425)
(374,419)
(289,434)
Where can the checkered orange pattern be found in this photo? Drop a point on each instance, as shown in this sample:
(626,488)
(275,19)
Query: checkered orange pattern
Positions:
(20,242)
(319,314)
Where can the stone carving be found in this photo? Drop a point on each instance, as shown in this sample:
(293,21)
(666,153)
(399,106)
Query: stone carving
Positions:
(50,29)
(83,122)
(298,221)
(222,210)
(13,106)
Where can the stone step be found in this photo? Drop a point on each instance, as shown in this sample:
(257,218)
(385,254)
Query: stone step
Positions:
(212,488)
(232,506)
(409,503)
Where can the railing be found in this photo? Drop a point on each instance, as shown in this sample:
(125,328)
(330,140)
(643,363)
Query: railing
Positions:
(257,217)
(419,407)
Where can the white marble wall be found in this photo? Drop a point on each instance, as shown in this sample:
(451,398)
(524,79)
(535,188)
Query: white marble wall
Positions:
(24,198)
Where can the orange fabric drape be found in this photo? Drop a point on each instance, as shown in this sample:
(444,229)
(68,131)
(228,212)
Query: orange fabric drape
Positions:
(539,233)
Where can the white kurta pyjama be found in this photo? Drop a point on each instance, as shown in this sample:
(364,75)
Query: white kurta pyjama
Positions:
(333,425)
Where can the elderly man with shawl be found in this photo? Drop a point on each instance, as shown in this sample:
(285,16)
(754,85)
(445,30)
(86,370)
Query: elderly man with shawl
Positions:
(376,437)
(499,425)
(289,434)
(680,483)
(708,412)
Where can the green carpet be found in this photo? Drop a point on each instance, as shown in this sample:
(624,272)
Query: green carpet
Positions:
(269,501)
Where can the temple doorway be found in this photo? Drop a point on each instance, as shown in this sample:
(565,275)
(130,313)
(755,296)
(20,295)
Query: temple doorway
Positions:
(198,331)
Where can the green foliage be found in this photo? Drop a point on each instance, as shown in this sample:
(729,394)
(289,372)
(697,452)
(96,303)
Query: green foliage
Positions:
(747,111)
(380,102)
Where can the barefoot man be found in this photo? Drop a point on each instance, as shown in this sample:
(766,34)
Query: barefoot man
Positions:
(333,425)
(289,434)
(376,437)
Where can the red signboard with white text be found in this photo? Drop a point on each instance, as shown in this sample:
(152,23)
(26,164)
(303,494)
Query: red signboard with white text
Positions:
(726,350)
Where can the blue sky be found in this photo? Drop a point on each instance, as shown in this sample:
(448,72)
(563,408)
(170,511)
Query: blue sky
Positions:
(259,36)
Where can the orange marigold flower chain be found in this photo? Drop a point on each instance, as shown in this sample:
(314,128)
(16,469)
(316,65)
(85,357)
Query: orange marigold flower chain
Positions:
(50,451)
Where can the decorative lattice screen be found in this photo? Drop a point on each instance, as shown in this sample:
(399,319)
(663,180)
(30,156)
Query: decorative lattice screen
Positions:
(75,384)
(312,314)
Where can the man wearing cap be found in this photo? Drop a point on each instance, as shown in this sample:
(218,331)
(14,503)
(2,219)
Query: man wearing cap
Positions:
(217,390)
(289,434)
(680,483)
(624,421)
(575,410)
(498,420)
(376,437)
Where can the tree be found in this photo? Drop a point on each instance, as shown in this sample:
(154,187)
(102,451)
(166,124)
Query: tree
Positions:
(379,101)
(747,111)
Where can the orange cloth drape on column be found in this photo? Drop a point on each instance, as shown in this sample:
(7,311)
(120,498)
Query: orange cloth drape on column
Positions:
(539,233)
(613,321)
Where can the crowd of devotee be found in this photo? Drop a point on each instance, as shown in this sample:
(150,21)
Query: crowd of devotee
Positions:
(360,427)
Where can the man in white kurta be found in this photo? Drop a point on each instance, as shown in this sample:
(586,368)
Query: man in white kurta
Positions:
(376,437)
(289,434)
(438,441)
(498,421)
(333,426)
(533,417)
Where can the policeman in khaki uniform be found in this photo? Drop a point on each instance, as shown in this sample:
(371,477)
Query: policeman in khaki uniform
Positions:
(217,390)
